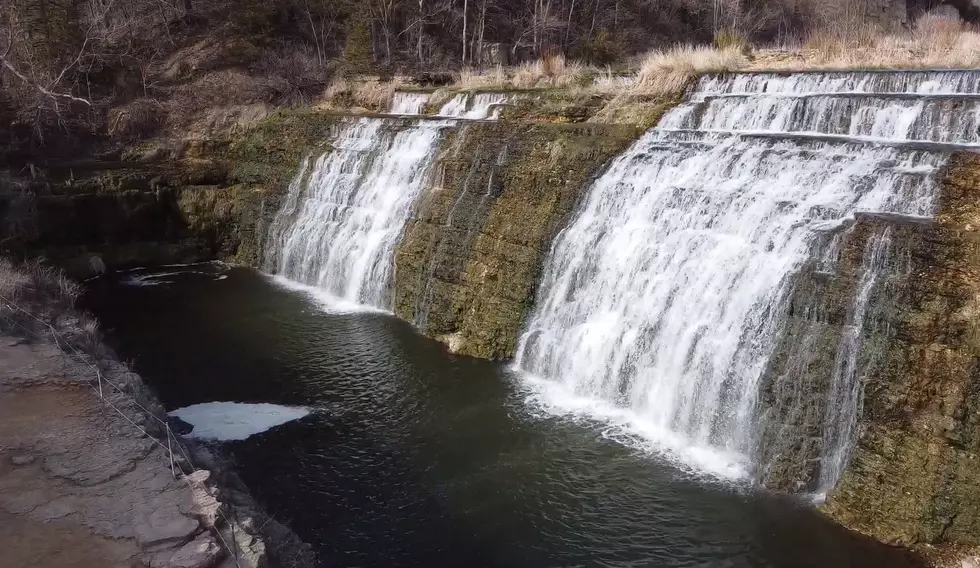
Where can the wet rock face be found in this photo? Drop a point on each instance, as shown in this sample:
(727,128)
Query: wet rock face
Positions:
(468,263)
(797,388)
(914,475)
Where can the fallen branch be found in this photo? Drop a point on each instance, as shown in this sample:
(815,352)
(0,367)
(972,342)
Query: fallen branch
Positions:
(40,88)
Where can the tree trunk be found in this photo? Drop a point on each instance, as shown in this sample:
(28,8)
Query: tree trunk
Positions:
(568,25)
(466,5)
(421,28)
(483,27)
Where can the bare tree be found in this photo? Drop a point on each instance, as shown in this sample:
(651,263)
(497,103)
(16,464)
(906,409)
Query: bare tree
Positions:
(47,88)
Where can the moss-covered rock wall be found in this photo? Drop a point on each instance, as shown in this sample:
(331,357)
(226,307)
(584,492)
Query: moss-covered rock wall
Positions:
(468,264)
(829,319)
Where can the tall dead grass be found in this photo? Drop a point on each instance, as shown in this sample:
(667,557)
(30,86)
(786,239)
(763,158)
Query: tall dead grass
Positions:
(665,71)
(549,72)
(936,41)
(373,95)
(33,290)
(470,79)
(34,280)
(669,71)
(552,71)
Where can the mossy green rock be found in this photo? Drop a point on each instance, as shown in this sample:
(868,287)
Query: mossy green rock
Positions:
(468,264)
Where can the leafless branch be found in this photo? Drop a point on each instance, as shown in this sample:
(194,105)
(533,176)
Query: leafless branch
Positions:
(40,88)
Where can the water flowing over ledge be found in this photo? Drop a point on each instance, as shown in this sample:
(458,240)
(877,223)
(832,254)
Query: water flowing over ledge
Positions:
(342,219)
(663,307)
(666,295)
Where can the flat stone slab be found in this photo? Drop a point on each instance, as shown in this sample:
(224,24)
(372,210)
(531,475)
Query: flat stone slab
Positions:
(164,525)
(202,552)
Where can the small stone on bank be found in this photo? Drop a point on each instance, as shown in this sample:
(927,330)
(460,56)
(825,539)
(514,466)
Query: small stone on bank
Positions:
(203,552)
(22,459)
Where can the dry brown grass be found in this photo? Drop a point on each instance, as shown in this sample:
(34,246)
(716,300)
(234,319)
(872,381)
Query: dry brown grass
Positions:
(730,39)
(552,71)
(373,95)
(549,72)
(35,280)
(659,72)
(940,32)
(670,71)
(469,79)
(935,42)
(12,281)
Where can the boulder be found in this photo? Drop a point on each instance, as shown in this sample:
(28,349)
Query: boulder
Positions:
(202,552)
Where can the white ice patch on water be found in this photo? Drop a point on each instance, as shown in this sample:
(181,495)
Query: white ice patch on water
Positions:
(227,421)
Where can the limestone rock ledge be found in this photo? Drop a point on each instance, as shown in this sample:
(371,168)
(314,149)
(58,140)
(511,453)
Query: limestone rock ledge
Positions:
(72,469)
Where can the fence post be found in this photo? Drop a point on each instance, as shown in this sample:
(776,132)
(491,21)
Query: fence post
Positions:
(170,451)
(234,541)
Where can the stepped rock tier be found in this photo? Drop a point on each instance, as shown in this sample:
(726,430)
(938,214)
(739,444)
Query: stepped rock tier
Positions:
(754,286)
(723,291)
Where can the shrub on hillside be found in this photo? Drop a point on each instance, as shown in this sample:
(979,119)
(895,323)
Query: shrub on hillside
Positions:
(215,90)
(139,119)
(732,40)
(295,72)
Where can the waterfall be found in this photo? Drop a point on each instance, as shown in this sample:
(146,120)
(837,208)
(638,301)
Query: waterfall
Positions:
(343,216)
(408,102)
(474,107)
(660,304)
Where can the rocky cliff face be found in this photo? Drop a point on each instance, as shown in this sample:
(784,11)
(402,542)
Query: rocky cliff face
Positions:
(168,201)
(915,472)
(468,262)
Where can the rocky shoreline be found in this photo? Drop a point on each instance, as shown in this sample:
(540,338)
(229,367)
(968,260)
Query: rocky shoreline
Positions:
(91,480)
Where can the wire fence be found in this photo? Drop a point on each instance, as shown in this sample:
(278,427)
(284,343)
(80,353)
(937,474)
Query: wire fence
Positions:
(100,384)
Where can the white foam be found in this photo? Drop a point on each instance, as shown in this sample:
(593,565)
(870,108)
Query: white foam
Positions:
(323,299)
(227,421)
(631,429)
(339,226)
(161,278)
(408,103)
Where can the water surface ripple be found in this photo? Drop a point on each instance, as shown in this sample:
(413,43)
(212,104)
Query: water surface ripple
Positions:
(414,457)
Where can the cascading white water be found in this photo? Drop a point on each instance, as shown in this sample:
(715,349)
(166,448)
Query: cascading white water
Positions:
(474,107)
(661,303)
(339,227)
(921,82)
(408,102)
(345,211)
